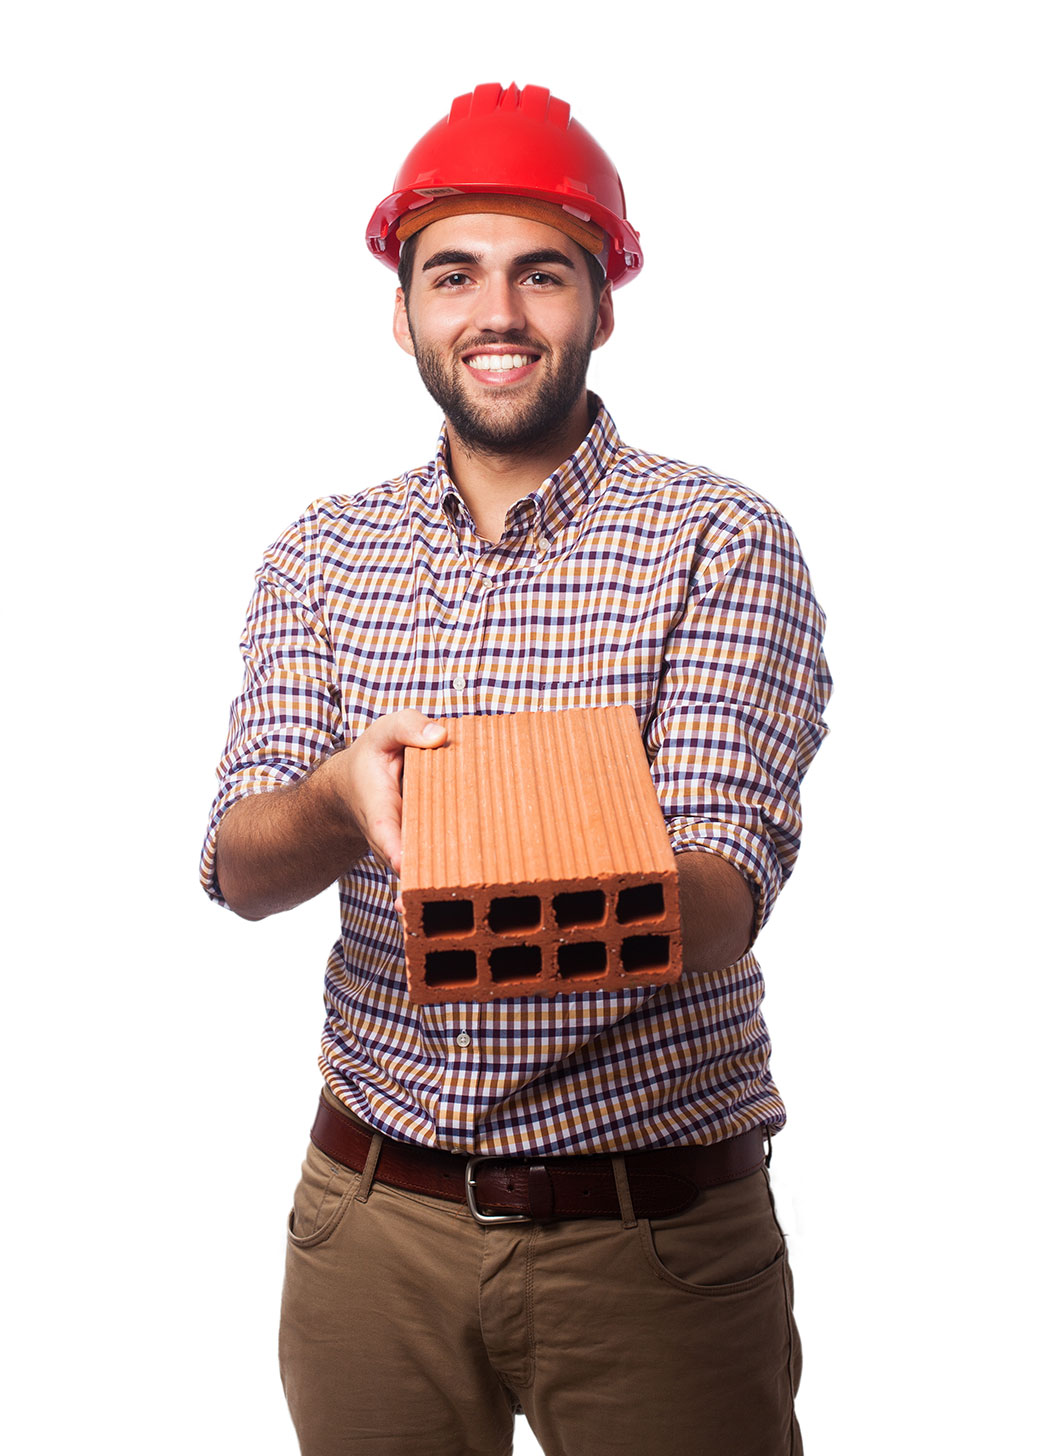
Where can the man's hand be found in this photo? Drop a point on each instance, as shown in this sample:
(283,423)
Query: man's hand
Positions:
(369,776)
(277,849)
(717,911)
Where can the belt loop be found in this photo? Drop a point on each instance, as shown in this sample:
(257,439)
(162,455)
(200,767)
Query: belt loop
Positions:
(368,1171)
(540,1193)
(626,1203)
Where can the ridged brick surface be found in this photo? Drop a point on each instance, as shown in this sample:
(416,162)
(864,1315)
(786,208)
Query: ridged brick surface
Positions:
(536,860)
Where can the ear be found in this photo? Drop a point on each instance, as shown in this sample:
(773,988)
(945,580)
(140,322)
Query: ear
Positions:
(401,332)
(606,318)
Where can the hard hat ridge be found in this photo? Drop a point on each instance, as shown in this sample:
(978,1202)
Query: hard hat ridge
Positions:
(512,143)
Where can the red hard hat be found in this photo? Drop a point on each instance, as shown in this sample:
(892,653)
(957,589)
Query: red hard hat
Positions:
(512,144)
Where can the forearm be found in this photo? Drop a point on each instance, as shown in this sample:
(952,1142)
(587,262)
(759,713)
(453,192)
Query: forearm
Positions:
(717,911)
(278,849)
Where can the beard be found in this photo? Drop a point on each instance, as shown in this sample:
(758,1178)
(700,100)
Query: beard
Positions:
(508,426)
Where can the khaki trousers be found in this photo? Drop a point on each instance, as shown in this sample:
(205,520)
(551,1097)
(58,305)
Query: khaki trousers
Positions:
(408,1330)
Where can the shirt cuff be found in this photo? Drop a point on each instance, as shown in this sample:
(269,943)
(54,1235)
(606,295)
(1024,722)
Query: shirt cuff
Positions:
(259,779)
(745,850)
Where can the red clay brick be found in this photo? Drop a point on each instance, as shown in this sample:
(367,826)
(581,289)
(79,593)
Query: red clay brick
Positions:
(536,861)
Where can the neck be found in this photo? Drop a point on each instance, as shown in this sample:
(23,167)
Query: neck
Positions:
(491,484)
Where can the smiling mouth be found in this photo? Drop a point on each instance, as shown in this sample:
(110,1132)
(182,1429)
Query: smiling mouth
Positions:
(495,363)
(500,367)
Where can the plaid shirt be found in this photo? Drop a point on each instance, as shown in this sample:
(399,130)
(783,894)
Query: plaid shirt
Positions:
(624,578)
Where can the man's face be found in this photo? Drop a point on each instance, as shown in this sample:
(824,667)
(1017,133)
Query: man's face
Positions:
(502,321)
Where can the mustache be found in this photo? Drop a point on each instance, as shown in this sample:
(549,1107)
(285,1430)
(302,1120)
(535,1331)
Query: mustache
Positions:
(504,341)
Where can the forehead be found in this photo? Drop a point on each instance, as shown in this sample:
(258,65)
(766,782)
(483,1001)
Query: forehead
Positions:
(494,239)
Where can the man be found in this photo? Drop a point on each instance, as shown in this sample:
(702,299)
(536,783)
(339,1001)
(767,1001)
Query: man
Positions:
(632,1293)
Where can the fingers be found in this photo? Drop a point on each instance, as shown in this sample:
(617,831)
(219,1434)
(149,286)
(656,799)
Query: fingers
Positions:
(384,836)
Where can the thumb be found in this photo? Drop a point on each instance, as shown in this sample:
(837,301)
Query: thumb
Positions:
(419,731)
(406,728)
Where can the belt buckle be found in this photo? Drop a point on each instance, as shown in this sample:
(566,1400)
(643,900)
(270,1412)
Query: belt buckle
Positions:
(486,1219)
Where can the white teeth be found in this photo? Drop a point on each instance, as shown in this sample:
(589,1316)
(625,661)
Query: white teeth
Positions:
(499,361)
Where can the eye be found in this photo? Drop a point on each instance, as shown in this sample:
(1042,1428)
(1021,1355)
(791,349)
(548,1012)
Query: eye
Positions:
(538,279)
(453,280)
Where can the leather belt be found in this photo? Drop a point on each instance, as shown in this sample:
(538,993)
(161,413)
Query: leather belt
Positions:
(497,1189)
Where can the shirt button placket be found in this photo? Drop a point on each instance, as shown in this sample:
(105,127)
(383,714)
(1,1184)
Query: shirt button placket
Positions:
(464,1061)
(470,612)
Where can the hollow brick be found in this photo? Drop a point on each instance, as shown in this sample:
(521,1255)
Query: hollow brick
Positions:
(536,861)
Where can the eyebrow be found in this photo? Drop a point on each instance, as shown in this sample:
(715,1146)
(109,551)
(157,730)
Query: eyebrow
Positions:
(543,255)
(451,256)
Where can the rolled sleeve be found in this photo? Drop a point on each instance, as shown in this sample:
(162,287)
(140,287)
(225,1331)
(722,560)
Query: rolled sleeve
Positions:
(739,715)
(287,717)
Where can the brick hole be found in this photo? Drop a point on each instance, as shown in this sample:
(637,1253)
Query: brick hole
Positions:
(582,960)
(509,913)
(516,962)
(640,902)
(645,953)
(444,918)
(450,968)
(580,907)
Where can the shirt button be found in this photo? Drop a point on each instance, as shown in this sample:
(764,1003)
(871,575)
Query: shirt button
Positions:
(458,683)
(463,1039)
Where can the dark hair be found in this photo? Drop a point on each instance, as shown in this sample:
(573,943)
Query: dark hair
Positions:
(406,262)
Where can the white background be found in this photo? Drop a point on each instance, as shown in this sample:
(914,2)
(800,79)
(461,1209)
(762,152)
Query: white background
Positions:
(843,304)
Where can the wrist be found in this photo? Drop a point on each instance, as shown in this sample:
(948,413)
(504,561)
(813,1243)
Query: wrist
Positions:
(329,806)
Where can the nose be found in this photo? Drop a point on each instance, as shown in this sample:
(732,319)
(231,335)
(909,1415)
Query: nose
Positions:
(499,307)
